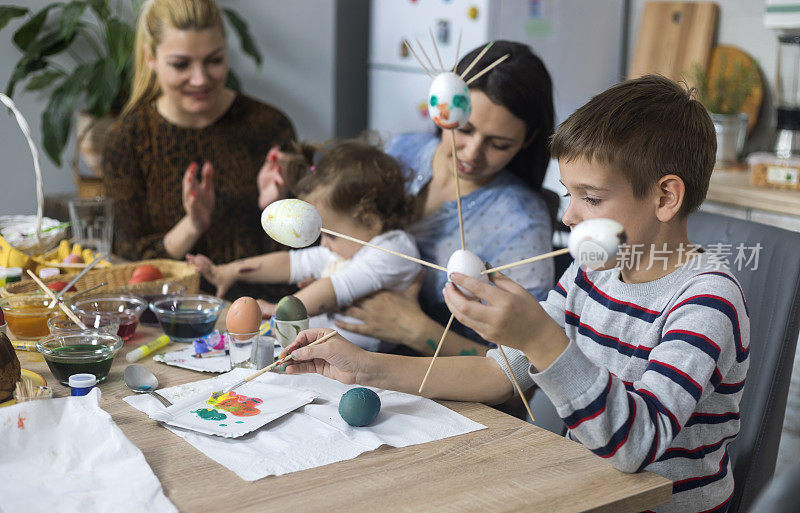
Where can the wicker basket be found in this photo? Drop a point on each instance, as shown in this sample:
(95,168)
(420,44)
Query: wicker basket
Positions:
(117,278)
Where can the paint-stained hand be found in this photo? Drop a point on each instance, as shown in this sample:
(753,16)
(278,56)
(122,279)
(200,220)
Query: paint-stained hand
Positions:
(336,358)
(389,316)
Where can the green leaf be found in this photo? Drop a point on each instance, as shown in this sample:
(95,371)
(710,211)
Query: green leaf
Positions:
(57,116)
(120,38)
(42,80)
(100,7)
(102,88)
(50,44)
(24,67)
(248,43)
(71,16)
(9,12)
(27,33)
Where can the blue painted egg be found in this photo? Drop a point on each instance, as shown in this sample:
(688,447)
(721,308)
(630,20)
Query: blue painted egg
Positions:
(359,406)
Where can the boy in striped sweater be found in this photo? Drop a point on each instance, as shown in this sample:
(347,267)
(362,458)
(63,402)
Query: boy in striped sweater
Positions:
(646,361)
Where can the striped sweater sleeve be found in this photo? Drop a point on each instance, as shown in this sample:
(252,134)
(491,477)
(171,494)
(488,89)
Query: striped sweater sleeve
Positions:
(704,335)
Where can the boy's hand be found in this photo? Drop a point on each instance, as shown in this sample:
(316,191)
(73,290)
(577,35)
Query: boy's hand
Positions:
(511,317)
(221,276)
(267,309)
(336,358)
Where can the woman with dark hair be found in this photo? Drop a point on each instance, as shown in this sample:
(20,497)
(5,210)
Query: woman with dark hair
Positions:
(502,156)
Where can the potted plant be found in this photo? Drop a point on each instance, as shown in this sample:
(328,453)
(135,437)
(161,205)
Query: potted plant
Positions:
(81,52)
(723,93)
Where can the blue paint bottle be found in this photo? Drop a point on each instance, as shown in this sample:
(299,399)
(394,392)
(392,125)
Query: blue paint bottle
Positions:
(82,384)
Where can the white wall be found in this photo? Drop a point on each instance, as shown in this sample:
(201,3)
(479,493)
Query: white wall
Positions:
(297,41)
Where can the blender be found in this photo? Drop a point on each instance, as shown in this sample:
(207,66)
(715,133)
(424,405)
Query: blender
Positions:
(787,92)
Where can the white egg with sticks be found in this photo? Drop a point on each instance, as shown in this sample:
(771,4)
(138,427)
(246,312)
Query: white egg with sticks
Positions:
(292,222)
(467,263)
(594,243)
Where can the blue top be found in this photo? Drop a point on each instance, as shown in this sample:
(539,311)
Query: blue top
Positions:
(504,222)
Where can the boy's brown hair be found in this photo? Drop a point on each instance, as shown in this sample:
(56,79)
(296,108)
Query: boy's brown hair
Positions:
(645,128)
(363,181)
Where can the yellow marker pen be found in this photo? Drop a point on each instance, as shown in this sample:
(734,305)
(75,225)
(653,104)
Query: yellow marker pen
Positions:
(142,351)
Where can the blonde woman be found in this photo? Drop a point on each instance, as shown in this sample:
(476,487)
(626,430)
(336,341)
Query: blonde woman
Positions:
(185,160)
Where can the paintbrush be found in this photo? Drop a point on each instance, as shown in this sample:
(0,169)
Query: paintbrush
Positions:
(75,279)
(216,395)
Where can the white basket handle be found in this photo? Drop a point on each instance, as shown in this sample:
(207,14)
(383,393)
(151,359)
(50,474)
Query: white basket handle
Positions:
(26,131)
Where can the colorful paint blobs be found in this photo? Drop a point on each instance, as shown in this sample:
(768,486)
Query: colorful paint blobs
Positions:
(237,405)
(210,414)
(448,101)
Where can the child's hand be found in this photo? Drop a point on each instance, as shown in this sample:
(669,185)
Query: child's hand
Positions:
(271,179)
(336,358)
(267,309)
(221,276)
(511,317)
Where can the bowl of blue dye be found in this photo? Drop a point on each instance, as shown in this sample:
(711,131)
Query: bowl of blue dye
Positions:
(187,318)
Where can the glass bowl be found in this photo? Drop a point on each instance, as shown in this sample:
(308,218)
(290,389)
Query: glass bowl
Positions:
(89,352)
(126,307)
(95,321)
(167,289)
(187,318)
(27,315)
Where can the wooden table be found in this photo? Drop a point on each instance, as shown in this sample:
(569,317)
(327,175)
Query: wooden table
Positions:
(733,187)
(511,466)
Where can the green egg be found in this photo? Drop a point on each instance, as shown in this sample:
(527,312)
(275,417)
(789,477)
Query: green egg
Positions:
(359,406)
(290,309)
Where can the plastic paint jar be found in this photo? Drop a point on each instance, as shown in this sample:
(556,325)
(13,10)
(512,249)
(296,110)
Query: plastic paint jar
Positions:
(82,384)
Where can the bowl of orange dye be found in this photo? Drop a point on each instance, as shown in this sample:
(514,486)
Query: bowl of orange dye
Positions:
(27,315)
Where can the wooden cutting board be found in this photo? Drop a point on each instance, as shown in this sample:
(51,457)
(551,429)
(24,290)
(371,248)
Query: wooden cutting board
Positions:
(729,56)
(672,37)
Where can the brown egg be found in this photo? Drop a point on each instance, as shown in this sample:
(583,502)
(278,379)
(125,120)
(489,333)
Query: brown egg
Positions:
(244,316)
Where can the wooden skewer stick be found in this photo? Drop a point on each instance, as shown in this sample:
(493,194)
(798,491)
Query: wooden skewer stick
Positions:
(527,260)
(436,47)
(458,49)
(458,188)
(269,367)
(395,253)
(411,49)
(516,385)
(476,59)
(487,68)
(436,353)
(52,296)
(425,54)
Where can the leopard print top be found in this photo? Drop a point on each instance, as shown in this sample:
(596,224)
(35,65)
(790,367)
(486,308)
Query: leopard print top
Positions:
(144,162)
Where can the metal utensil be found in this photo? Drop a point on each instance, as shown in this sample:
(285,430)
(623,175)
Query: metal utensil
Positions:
(142,381)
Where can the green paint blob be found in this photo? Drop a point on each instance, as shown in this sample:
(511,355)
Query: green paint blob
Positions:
(460,102)
(223,425)
(431,344)
(434,100)
(240,422)
(210,414)
(468,352)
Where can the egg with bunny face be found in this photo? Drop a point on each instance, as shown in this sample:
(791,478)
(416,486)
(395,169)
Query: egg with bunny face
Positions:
(449,104)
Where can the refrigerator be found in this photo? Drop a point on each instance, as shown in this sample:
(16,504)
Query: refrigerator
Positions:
(582,43)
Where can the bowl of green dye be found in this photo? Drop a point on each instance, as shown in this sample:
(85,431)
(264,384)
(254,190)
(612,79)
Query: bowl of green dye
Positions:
(89,352)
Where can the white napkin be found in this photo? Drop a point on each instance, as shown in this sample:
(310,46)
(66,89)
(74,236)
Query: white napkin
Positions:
(68,455)
(315,434)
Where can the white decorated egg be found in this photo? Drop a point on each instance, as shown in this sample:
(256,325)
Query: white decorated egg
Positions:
(466,262)
(594,243)
(449,105)
(292,222)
